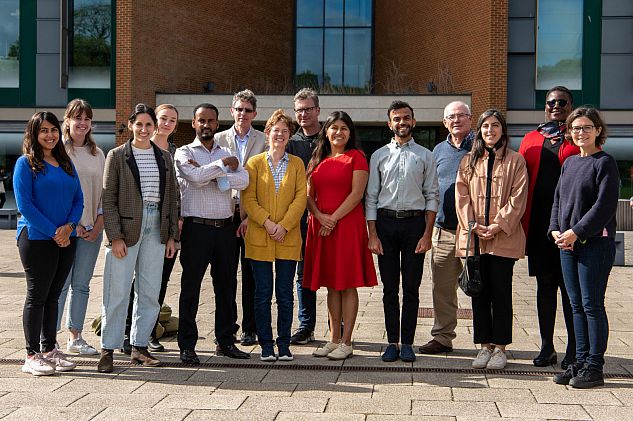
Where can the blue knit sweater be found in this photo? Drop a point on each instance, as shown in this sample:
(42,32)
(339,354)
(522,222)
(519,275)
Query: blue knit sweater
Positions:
(586,197)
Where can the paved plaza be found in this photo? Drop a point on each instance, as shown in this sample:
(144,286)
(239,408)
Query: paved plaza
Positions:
(441,387)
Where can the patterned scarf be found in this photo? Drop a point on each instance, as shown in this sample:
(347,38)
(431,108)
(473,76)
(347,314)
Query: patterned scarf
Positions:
(553,129)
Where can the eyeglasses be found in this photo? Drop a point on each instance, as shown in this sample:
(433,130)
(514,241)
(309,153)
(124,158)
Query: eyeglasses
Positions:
(587,129)
(455,117)
(306,110)
(246,110)
(552,102)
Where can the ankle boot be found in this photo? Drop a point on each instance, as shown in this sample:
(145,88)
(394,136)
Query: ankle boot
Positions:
(140,355)
(106,362)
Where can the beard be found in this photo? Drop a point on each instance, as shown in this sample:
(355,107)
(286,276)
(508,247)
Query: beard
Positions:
(205,134)
(403,131)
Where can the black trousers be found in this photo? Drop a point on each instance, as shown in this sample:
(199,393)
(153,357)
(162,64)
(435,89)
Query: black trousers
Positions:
(168,266)
(46,266)
(492,310)
(399,238)
(248,285)
(202,245)
(546,302)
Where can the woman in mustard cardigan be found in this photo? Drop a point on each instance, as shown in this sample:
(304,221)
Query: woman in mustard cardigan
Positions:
(274,201)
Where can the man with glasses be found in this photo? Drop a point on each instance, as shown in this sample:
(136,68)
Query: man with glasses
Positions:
(301,144)
(445,267)
(244,142)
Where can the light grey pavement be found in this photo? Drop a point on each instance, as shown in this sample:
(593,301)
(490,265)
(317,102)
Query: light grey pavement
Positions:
(439,387)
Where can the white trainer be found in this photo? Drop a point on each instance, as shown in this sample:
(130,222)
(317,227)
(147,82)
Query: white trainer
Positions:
(341,352)
(81,347)
(37,365)
(59,360)
(482,358)
(325,350)
(498,360)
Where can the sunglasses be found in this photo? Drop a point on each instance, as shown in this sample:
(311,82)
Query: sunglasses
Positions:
(552,102)
(246,110)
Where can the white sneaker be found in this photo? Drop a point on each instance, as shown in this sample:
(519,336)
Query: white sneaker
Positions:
(81,347)
(498,360)
(325,350)
(341,352)
(37,365)
(482,358)
(59,360)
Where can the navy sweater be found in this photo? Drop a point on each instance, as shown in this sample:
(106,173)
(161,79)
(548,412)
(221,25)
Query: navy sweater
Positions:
(586,197)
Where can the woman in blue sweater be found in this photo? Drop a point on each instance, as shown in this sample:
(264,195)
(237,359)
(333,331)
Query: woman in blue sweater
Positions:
(583,226)
(49,197)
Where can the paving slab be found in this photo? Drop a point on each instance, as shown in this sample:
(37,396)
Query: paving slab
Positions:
(227,415)
(52,413)
(468,409)
(202,401)
(271,403)
(135,414)
(547,410)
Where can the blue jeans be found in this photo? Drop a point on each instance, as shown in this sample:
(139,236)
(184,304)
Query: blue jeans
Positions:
(586,271)
(146,259)
(305,296)
(78,282)
(263,274)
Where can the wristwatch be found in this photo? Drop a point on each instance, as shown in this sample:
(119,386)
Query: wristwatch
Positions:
(72,225)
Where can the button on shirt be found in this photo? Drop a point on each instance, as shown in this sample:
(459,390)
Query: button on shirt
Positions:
(402,177)
(200,195)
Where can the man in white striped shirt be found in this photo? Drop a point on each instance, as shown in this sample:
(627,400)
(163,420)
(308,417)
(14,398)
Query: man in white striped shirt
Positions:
(206,174)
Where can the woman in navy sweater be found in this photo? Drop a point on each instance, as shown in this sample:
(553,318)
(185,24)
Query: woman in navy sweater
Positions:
(49,197)
(583,226)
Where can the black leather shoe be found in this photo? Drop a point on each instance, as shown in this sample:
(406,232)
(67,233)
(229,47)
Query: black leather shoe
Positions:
(231,351)
(248,339)
(155,346)
(544,360)
(189,357)
(127,346)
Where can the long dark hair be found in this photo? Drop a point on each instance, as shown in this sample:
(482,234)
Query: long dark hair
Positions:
(323,148)
(32,149)
(479,146)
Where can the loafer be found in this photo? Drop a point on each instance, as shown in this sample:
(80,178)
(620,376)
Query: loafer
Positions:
(545,359)
(231,351)
(155,346)
(189,357)
(406,353)
(587,379)
(434,347)
(391,353)
(127,346)
(141,356)
(106,362)
(248,339)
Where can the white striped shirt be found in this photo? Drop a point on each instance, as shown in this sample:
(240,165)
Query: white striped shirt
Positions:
(148,172)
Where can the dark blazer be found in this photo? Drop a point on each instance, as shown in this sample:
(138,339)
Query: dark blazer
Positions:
(122,199)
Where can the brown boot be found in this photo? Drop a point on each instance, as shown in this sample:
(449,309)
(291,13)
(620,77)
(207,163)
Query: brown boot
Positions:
(106,362)
(142,356)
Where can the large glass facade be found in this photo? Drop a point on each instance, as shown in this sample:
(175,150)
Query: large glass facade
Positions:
(90,44)
(9,43)
(334,45)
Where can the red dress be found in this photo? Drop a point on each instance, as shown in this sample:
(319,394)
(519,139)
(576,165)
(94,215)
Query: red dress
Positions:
(342,259)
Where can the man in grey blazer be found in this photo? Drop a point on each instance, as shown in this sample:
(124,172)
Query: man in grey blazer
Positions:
(243,141)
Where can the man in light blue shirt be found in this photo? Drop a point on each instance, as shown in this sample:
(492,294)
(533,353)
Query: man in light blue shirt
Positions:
(401,204)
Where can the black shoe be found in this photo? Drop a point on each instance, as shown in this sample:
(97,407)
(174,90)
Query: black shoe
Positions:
(189,357)
(568,360)
(567,375)
(127,346)
(155,346)
(231,351)
(587,379)
(302,337)
(248,339)
(545,359)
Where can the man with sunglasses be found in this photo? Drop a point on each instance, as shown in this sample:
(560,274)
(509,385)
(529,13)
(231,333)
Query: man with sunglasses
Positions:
(244,142)
(545,149)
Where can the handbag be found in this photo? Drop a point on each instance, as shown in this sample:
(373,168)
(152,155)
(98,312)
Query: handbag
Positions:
(470,278)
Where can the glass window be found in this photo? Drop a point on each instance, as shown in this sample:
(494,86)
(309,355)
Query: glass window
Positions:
(9,43)
(333,13)
(559,44)
(90,44)
(309,12)
(333,57)
(309,57)
(358,12)
(357,52)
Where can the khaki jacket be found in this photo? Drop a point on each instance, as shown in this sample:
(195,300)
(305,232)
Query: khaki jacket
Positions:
(507,204)
(122,200)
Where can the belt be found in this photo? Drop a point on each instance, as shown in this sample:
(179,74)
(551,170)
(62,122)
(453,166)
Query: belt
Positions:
(400,214)
(218,223)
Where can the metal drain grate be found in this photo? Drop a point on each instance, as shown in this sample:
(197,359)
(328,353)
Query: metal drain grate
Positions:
(317,367)
(462,313)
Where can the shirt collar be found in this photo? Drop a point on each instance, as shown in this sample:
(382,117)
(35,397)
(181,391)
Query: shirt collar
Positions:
(283,158)
(237,136)
(198,144)
(468,140)
(394,143)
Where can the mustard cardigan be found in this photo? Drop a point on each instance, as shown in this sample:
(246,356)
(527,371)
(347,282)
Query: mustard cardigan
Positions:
(286,206)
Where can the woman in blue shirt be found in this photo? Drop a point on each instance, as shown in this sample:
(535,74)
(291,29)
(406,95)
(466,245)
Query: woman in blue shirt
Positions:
(49,197)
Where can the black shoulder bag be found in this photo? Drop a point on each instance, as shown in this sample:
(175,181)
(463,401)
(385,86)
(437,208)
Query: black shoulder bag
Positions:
(470,278)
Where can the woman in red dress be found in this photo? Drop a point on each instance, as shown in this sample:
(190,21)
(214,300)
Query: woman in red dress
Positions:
(337,256)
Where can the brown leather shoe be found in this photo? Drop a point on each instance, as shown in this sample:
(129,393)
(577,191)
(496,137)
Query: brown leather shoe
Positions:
(434,347)
(106,362)
(142,356)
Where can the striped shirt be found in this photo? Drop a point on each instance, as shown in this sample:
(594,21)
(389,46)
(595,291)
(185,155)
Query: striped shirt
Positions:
(280,171)
(148,172)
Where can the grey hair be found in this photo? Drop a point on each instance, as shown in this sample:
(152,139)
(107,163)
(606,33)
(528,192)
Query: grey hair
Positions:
(307,93)
(462,103)
(245,95)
